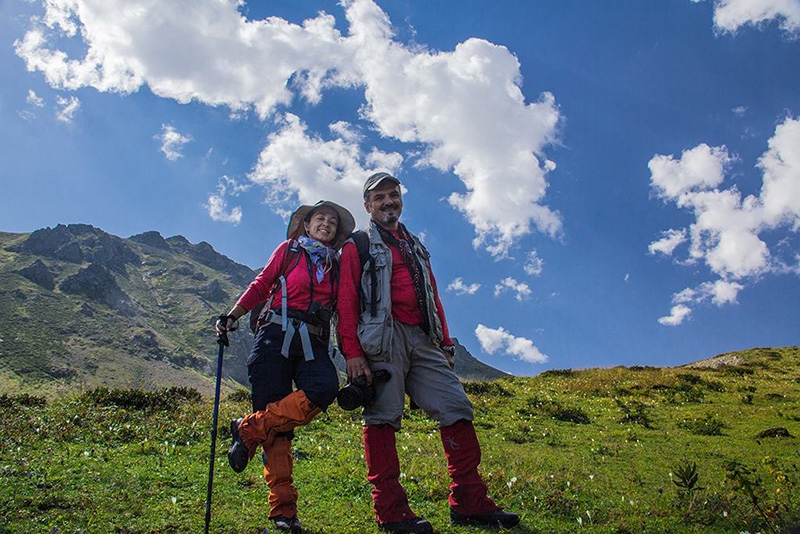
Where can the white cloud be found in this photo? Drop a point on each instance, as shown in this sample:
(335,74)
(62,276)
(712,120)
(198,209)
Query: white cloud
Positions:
(702,167)
(521,289)
(780,192)
(728,231)
(669,241)
(722,292)
(217,205)
(460,288)
(533,264)
(468,108)
(730,15)
(719,292)
(68,108)
(465,107)
(493,340)
(186,50)
(678,314)
(295,163)
(34,100)
(172,142)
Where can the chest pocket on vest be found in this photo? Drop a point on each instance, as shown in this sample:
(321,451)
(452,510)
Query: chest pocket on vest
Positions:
(374,332)
(372,283)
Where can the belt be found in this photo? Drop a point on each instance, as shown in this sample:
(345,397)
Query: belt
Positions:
(290,326)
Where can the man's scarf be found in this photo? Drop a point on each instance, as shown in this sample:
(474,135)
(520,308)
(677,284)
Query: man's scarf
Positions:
(406,246)
(322,256)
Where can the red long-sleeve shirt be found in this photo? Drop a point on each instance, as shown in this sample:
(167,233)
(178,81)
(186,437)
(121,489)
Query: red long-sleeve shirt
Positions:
(298,287)
(405,308)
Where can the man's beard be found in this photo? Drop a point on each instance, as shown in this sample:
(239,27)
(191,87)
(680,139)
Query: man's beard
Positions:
(390,218)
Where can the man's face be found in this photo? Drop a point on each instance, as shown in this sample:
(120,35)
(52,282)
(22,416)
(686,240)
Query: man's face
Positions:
(385,204)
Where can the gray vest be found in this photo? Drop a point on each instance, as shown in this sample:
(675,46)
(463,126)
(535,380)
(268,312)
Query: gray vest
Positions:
(375,333)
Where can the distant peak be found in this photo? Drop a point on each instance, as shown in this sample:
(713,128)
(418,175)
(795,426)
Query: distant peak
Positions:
(152,238)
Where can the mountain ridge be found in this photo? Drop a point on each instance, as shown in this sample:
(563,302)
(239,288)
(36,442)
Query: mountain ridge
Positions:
(86,308)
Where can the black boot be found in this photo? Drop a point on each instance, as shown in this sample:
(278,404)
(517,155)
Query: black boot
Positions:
(288,524)
(494,519)
(414,526)
(238,456)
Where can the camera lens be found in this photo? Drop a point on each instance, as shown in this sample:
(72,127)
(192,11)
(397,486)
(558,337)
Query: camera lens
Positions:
(358,393)
(350,397)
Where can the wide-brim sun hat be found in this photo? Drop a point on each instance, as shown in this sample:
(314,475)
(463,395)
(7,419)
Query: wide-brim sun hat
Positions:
(346,226)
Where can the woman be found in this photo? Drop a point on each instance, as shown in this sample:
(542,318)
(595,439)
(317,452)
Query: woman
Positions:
(299,283)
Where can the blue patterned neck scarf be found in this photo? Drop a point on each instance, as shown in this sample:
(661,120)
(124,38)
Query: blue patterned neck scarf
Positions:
(322,256)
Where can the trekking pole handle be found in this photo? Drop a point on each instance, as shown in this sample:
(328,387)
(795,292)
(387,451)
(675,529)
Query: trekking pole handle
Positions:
(222,333)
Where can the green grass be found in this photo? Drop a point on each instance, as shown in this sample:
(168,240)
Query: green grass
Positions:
(601,450)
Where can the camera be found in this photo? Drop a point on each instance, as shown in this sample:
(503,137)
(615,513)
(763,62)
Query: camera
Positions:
(318,314)
(359,393)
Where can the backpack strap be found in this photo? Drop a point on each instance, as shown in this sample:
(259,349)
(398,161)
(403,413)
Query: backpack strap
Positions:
(361,241)
(290,261)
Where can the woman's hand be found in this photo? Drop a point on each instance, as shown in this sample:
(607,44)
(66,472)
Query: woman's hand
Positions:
(225,323)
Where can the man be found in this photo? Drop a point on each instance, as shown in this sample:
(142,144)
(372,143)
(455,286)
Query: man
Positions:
(391,318)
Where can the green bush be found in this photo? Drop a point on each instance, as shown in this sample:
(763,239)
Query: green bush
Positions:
(707,425)
(555,410)
(137,399)
(635,412)
(493,388)
(22,400)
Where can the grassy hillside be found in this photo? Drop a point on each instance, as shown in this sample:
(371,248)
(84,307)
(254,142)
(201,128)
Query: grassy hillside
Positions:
(82,308)
(705,448)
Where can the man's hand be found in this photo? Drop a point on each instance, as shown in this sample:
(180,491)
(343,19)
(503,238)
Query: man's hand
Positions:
(357,367)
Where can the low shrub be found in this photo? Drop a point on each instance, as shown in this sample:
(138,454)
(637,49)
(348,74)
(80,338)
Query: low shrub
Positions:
(486,388)
(137,399)
(23,399)
(705,426)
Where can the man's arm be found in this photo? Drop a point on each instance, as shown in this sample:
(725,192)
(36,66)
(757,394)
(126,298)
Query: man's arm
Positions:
(446,341)
(348,308)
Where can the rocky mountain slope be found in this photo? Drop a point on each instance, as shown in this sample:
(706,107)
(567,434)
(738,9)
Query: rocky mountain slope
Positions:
(84,308)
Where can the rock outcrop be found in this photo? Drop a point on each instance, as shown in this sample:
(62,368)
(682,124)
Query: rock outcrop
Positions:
(39,274)
(96,283)
(79,243)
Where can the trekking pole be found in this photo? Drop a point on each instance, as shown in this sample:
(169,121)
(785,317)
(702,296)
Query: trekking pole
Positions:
(222,340)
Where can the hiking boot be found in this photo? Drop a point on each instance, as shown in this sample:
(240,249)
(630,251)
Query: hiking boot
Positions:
(288,524)
(238,455)
(494,519)
(416,525)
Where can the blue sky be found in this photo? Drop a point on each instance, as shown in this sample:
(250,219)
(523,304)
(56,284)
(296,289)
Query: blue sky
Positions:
(600,183)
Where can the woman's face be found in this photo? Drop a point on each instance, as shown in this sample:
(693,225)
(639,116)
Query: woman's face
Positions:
(322,225)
